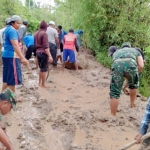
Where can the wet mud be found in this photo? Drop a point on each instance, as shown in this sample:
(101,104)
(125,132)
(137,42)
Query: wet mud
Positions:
(74,113)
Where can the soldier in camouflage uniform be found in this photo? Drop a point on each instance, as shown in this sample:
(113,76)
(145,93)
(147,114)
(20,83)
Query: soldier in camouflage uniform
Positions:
(127,63)
(7,102)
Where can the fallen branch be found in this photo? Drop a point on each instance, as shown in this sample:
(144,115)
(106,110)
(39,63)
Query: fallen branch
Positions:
(134,142)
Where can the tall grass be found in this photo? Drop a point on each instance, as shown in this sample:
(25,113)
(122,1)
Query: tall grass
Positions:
(103,58)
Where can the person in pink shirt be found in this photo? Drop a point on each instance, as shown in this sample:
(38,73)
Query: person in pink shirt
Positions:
(70,44)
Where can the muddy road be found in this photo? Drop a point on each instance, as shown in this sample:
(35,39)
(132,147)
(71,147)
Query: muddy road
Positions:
(73,114)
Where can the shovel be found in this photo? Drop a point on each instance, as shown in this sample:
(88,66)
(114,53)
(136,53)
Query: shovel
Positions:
(134,142)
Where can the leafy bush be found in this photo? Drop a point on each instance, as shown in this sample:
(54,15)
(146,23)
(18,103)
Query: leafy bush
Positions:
(103,58)
(110,22)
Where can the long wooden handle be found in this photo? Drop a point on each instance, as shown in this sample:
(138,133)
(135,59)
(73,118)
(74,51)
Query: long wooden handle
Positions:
(134,142)
(129,145)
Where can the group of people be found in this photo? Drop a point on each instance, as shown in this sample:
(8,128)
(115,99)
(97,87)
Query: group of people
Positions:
(48,44)
(128,63)
(17,47)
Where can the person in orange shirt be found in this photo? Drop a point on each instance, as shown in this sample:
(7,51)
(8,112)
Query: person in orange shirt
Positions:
(70,44)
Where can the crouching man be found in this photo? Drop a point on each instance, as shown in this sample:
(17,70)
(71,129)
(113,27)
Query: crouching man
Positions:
(7,102)
(127,63)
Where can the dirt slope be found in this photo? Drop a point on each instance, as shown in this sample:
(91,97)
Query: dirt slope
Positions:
(73,114)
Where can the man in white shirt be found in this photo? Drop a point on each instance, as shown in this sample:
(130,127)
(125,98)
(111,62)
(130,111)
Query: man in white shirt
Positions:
(22,33)
(7,21)
(53,41)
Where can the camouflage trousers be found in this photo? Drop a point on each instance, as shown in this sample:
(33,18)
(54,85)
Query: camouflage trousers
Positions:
(121,69)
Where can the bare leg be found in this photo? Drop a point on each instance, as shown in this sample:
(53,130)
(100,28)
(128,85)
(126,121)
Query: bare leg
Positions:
(43,79)
(133,93)
(114,105)
(36,62)
(40,81)
(12,88)
(76,66)
(63,65)
(4,86)
(59,57)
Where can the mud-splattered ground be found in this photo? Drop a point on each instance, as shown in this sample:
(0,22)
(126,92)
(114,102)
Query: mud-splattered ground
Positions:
(73,114)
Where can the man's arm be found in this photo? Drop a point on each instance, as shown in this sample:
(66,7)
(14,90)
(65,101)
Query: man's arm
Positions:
(76,45)
(145,122)
(17,48)
(47,50)
(57,42)
(19,53)
(4,139)
(56,39)
(140,63)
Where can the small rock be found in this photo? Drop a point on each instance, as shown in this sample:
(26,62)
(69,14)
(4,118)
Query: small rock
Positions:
(8,123)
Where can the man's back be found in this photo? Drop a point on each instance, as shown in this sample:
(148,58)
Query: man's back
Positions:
(70,41)
(41,41)
(22,32)
(28,40)
(52,34)
(126,53)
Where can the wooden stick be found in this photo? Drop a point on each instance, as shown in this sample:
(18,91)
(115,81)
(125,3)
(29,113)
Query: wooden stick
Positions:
(134,142)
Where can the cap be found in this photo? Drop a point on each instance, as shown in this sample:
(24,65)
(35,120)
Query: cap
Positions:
(126,44)
(8,20)
(52,22)
(10,96)
(111,50)
(71,30)
(25,22)
(15,18)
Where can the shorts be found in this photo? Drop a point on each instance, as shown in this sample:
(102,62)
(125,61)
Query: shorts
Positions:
(12,74)
(71,54)
(120,70)
(58,52)
(31,49)
(53,51)
(42,61)
(61,47)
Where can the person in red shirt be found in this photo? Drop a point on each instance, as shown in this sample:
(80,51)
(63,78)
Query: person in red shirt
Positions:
(70,44)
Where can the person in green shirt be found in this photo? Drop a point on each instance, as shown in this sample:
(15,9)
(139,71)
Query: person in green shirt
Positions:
(8,101)
(127,63)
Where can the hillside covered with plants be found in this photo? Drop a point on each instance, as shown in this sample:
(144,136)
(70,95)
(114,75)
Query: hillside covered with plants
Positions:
(104,23)
(111,22)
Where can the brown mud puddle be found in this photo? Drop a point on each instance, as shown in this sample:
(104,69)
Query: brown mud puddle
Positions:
(73,114)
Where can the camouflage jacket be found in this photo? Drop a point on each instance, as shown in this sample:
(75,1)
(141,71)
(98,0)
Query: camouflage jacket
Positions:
(126,53)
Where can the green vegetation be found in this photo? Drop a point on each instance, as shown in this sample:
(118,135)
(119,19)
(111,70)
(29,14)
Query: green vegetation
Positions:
(104,23)
(32,12)
(110,22)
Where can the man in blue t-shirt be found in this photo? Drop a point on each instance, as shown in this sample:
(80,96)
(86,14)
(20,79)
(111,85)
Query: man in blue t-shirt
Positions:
(79,33)
(12,55)
(29,42)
